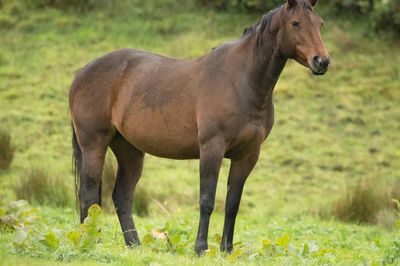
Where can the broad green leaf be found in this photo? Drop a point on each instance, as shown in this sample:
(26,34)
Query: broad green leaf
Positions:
(212,251)
(283,241)
(266,243)
(74,236)
(313,246)
(51,240)
(20,236)
(323,251)
(235,255)
(305,250)
(147,238)
(94,211)
(175,239)
(238,244)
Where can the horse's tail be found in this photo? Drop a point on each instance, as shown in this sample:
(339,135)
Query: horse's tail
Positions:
(76,162)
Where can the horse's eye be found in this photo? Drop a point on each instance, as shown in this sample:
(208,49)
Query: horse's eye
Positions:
(295,23)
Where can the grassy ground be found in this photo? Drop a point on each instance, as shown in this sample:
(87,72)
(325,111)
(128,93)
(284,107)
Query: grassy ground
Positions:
(330,131)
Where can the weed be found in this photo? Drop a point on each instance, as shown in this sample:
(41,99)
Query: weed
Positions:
(367,202)
(37,186)
(361,204)
(6,151)
(17,214)
(392,254)
(88,233)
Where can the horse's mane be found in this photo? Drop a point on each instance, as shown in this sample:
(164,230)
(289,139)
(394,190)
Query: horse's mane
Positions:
(260,26)
(267,18)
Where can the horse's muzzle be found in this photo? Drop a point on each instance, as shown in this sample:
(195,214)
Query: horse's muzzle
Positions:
(320,65)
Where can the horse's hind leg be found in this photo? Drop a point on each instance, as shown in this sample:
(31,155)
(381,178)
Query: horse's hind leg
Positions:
(93,148)
(130,165)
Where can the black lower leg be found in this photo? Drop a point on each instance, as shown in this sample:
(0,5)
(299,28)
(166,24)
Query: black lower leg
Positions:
(130,165)
(89,187)
(238,174)
(123,197)
(210,163)
(231,210)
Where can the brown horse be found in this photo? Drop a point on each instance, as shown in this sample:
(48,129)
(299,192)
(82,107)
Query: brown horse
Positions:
(217,106)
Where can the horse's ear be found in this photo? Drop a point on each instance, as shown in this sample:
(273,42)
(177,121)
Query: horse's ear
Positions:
(292,3)
(313,2)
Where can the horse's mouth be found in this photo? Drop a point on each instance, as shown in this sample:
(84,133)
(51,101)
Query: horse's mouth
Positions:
(319,68)
(319,72)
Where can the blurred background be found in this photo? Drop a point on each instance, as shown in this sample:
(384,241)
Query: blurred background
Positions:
(330,170)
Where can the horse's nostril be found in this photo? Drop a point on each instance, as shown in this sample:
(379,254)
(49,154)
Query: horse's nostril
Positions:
(326,63)
(317,60)
(321,63)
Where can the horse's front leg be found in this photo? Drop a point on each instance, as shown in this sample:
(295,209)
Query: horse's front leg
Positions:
(211,156)
(238,173)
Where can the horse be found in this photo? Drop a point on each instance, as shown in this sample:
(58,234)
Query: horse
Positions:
(210,108)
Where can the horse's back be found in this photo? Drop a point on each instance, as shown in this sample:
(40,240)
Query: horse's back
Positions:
(143,96)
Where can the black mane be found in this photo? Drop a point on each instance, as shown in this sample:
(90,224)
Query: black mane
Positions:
(262,24)
(265,21)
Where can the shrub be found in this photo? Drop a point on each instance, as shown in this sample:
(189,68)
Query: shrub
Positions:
(368,202)
(358,6)
(38,187)
(63,4)
(141,198)
(6,151)
(384,15)
(362,203)
(258,5)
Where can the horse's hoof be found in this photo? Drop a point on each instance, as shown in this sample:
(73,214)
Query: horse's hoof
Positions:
(201,249)
(201,253)
(227,249)
(133,244)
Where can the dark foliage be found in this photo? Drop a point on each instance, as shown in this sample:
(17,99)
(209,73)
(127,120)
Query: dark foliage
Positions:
(384,15)
(257,5)
(79,5)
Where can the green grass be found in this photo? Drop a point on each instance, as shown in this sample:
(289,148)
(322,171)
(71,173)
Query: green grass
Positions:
(337,244)
(330,131)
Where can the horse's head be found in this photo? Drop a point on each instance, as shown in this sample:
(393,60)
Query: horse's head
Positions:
(300,36)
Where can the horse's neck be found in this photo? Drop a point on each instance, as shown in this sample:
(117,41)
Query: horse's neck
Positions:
(267,65)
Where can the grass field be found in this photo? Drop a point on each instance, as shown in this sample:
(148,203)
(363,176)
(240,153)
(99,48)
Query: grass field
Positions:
(330,133)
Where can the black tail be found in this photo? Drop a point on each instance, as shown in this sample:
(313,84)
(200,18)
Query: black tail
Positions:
(76,162)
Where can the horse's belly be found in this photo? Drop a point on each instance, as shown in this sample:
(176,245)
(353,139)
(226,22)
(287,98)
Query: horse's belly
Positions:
(160,146)
(162,133)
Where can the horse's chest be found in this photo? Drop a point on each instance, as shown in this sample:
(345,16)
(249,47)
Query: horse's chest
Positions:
(251,135)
